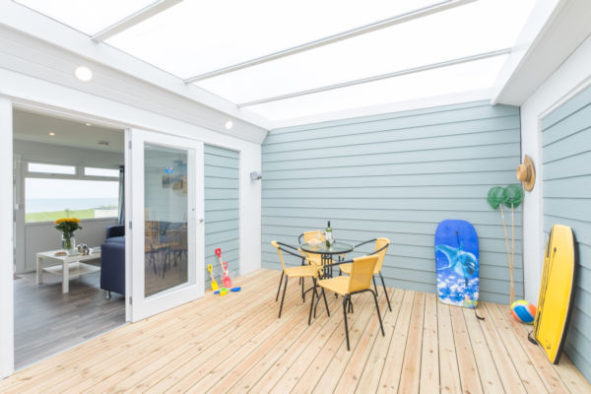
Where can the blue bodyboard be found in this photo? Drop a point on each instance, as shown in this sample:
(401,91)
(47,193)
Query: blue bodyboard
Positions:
(457,263)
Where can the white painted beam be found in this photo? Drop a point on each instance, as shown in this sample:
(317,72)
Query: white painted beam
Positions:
(133,19)
(6,242)
(395,20)
(374,78)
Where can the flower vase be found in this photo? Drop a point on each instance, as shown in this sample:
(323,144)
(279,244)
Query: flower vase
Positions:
(68,242)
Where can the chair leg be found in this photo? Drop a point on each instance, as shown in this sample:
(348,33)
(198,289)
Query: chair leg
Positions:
(279,288)
(303,292)
(386,291)
(312,303)
(375,286)
(345,301)
(283,296)
(375,298)
(350,306)
(325,302)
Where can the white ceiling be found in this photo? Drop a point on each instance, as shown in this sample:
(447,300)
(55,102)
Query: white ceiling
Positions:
(191,37)
(29,126)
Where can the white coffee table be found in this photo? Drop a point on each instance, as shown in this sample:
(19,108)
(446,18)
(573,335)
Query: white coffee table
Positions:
(68,266)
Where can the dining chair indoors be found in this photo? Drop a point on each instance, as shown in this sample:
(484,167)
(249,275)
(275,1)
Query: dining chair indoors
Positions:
(302,272)
(359,281)
(381,247)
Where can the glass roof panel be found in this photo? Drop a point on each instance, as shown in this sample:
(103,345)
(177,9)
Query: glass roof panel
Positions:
(87,16)
(465,77)
(197,36)
(457,33)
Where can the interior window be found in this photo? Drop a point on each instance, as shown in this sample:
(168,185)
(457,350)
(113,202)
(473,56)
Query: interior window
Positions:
(104,172)
(42,168)
(50,199)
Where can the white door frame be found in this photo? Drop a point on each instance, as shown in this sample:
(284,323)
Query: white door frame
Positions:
(6,241)
(142,306)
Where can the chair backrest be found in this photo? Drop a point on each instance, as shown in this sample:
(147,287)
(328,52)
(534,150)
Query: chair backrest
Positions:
(307,236)
(276,245)
(381,243)
(361,273)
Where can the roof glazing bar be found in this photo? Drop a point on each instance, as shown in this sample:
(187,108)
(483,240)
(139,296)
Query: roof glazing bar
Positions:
(374,78)
(398,19)
(134,19)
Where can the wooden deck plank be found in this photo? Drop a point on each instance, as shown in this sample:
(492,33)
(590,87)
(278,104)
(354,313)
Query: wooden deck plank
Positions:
(372,371)
(352,365)
(237,344)
(538,358)
(429,381)
(337,349)
(411,369)
(528,374)
(449,374)
(390,377)
(469,374)
(489,377)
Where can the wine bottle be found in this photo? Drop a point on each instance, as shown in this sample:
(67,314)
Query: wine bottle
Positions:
(328,235)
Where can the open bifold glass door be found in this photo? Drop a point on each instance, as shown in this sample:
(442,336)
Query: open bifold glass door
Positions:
(165,196)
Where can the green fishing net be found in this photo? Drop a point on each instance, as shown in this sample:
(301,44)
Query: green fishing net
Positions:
(495,197)
(513,195)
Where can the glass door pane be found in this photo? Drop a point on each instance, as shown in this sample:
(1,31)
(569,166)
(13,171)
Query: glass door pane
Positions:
(166,218)
(166,222)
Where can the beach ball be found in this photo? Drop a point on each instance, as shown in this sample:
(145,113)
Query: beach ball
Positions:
(523,311)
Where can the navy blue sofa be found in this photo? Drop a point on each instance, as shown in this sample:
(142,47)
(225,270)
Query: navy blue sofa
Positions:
(113,261)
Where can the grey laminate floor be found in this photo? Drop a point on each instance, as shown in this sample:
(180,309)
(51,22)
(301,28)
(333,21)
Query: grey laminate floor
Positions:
(47,321)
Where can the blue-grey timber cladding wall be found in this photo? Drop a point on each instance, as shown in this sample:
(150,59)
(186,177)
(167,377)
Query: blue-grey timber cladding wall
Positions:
(566,152)
(222,209)
(397,175)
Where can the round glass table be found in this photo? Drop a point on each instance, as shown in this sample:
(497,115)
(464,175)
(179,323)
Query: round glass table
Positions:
(328,253)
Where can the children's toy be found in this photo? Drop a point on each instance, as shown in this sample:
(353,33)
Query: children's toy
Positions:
(557,291)
(456,259)
(223,291)
(523,311)
(226,278)
(235,289)
(214,284)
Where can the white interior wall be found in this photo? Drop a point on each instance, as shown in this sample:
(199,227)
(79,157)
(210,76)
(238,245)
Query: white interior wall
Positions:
(572,76)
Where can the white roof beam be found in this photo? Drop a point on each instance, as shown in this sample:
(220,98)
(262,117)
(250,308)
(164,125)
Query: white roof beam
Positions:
(133,19)
(432,66)
(395,20)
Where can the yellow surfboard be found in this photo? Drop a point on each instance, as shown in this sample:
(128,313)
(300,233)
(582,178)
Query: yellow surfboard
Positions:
(556,291)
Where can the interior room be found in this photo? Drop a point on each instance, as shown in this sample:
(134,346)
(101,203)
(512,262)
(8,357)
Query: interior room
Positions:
(63,169)
(333,196)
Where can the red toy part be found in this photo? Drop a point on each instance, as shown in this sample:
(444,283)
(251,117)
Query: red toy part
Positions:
(226,279)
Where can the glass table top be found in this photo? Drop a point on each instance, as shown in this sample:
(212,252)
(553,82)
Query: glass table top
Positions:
(336,248)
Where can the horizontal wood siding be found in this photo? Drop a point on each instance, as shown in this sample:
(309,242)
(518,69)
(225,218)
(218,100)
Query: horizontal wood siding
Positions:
(567,200)
(397,175)
(222,213)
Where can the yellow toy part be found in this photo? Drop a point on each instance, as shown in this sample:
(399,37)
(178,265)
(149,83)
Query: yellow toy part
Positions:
(214,284)
(556,291)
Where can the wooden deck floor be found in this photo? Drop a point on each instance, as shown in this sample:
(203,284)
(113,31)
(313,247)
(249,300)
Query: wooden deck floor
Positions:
(236,343)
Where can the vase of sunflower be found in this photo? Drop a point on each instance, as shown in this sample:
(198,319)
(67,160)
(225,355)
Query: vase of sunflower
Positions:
(67,226)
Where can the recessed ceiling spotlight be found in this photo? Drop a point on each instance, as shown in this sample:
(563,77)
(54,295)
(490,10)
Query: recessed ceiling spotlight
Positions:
(83,73)
(88,124)
(51,133)
(229,124)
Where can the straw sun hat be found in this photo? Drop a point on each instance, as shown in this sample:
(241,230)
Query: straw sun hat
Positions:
(526,173)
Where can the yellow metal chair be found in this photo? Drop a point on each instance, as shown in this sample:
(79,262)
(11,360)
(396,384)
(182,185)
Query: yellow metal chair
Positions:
(362,270)
(307,236)
(302,272)
(381,248)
